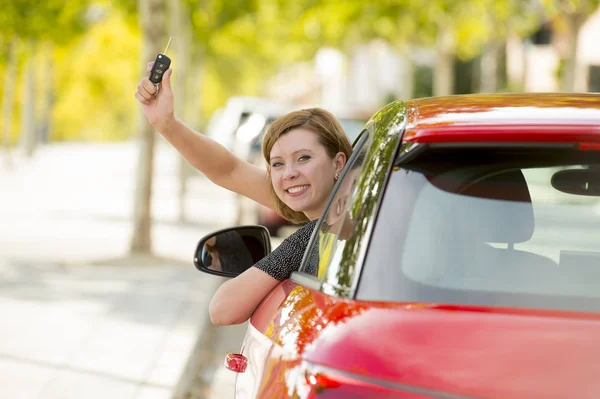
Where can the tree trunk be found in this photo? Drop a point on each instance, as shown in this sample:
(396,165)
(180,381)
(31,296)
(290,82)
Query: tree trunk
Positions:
(153,23)
(407,78)
(527,45)
(574,23)
(8,96)
(181,30)
(443,71)
(47,90)
(488,73)
(29,139)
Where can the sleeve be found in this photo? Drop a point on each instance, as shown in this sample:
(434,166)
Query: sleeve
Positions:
(286,258)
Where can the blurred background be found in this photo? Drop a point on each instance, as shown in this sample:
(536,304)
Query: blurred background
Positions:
(99,217)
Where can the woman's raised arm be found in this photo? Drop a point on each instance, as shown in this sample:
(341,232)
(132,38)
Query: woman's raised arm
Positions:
(217,163)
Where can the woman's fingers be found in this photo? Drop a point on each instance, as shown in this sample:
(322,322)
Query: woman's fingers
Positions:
(146,89)
(141,98)
(148,86)
(145,93)
(141,90)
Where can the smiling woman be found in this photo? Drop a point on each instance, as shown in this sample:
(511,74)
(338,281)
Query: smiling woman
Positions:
(305,152)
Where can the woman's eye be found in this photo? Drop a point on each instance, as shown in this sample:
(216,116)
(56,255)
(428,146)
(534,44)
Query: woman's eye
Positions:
(304,158)
(276,164)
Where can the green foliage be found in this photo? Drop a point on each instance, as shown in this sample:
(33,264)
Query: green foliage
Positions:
(96,79)
(558,8)
(54,20)
(242,43)
(403,22)
(237,44)
(562,10)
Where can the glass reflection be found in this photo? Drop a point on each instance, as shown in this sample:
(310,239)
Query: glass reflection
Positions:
(356,216)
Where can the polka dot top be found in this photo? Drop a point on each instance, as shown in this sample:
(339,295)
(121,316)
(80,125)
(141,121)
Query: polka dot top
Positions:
(286,258)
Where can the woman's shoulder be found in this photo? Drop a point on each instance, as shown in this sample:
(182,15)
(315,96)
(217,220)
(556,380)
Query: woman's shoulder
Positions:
(304,232)
(287,257)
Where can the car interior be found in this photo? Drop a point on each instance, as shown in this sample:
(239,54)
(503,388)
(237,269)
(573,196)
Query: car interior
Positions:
(476,231)
(488,235)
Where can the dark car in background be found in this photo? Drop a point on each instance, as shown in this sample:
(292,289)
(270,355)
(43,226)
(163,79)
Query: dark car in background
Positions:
(466,263)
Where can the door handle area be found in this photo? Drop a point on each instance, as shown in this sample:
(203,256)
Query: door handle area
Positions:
(236,362)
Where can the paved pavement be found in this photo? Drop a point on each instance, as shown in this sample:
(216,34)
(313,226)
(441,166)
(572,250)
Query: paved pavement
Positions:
(82,319)
(209,378)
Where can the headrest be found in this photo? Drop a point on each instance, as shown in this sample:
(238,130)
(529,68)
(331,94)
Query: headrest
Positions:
(498,208)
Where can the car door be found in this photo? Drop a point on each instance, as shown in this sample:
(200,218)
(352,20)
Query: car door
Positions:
(292,316)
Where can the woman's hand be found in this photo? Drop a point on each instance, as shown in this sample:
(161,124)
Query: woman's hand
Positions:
(157,106)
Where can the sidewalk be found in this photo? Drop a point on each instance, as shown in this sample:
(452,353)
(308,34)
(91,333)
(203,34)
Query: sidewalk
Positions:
(98,332)
(80,318)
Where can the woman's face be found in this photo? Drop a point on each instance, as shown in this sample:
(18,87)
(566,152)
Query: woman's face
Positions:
(302,173)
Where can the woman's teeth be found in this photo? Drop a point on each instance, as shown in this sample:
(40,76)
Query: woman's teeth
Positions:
(297,189)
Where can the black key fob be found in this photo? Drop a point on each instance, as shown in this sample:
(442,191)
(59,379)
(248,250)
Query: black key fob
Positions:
(161,65)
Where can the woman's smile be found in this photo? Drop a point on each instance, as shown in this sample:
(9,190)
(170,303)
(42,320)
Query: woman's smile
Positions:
(296,191)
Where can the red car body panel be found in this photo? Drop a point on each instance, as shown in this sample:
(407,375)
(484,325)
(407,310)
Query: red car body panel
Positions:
(465,351)
(497,118)
(442,350)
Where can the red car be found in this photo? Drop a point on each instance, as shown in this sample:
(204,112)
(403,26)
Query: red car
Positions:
(466,264)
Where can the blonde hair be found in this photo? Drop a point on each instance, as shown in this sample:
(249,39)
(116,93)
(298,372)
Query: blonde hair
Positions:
(330,135)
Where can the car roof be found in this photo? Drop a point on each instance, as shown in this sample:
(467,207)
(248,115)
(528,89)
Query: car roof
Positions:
(541,117)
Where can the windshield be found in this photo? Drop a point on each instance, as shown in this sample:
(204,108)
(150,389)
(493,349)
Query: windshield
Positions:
(517,228)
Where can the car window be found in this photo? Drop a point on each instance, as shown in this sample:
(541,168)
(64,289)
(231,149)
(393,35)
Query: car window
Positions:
(337,224)
(519,230)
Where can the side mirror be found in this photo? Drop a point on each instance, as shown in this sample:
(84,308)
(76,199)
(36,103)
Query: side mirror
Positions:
(230,252)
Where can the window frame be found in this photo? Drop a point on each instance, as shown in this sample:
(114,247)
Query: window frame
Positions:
(302,277)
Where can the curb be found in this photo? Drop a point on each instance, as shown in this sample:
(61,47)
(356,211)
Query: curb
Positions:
(195,360)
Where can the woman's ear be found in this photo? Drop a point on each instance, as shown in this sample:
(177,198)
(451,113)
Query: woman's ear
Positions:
(340,161)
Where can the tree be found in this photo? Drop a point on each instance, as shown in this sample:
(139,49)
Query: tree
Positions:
(8,95)
(180,27)
(569,16)
(153,19)
(26,24)
(455,28)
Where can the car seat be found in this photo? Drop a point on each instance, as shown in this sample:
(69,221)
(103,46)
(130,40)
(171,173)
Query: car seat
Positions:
(459,234)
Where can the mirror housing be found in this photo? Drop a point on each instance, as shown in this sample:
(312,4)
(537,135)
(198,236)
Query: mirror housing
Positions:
(231,251)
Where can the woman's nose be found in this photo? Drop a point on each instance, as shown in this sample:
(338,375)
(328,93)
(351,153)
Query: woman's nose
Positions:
(290,172)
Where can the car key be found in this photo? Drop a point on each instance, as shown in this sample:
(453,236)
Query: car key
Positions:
(161,64)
